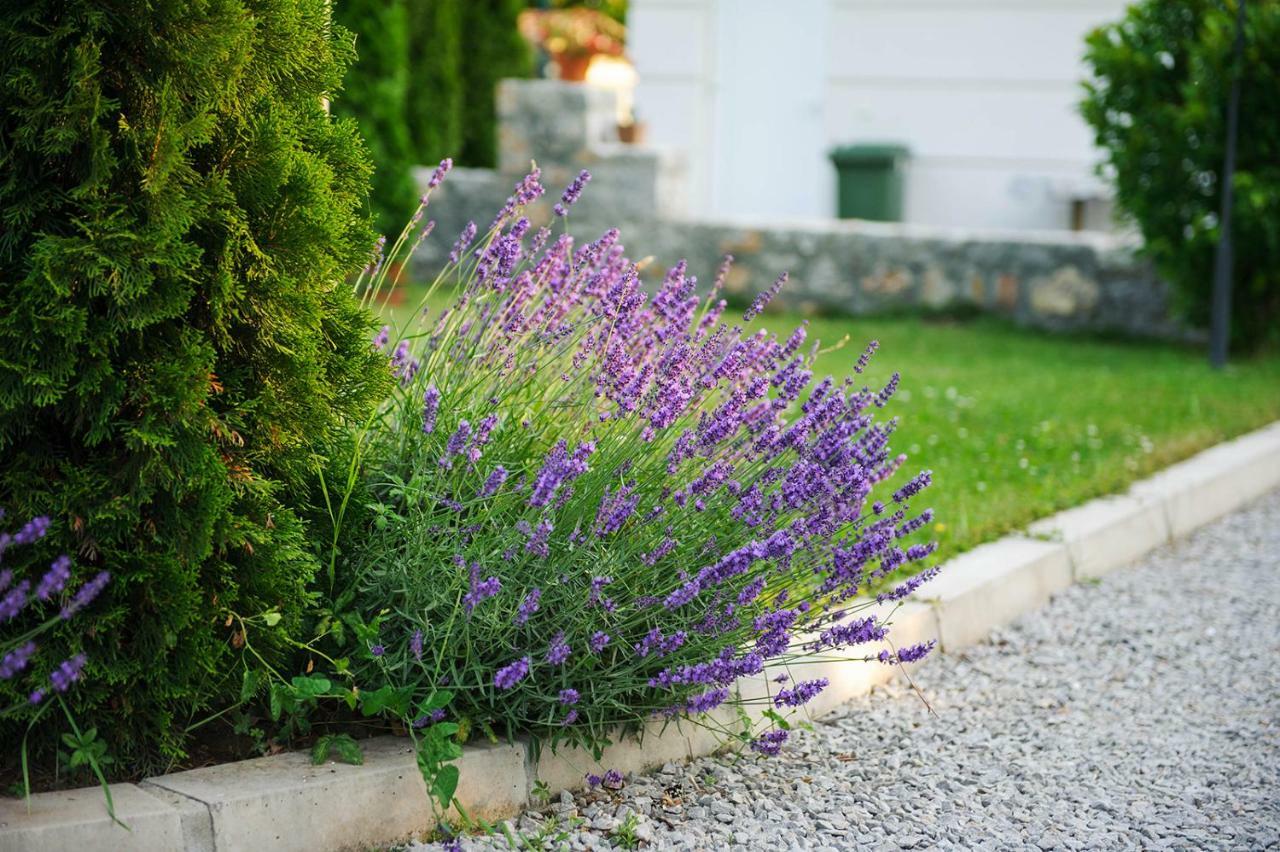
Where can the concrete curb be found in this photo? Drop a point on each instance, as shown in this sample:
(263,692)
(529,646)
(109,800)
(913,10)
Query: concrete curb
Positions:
(284,803)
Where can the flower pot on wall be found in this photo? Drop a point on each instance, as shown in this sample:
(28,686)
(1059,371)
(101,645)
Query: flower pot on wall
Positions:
(573,67)
(633,133)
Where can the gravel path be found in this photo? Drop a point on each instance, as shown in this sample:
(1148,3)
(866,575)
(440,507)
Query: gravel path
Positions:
(1139,712)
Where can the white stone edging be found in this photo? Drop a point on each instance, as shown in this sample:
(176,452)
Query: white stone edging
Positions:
(283,802)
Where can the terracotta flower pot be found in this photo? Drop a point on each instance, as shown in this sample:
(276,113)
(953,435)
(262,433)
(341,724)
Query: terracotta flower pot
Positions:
(573,67)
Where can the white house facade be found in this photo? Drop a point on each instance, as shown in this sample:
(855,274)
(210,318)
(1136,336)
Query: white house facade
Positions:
(984,93)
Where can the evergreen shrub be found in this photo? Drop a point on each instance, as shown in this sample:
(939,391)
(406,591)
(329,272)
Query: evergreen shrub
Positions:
(1157,103)
(179,345)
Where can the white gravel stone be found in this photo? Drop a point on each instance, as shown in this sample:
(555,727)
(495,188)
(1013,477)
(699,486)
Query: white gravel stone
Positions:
(1142,711)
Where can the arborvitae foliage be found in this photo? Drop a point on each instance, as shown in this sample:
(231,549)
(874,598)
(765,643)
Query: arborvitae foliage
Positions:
(1157,103)
(179,346)
(435,79)
(494,50)
(376,95)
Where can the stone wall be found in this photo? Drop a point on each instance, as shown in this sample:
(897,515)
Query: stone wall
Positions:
(1058,281)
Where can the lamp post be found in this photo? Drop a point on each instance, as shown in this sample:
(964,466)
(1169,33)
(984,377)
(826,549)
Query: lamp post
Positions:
(1220,323)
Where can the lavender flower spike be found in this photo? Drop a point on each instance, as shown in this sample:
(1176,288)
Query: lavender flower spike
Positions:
(87,593)
(509,676)
(55,578)
(437,177)
(16,660)
(571,193)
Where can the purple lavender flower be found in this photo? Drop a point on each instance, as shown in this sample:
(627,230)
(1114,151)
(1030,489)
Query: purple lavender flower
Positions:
(529,605)
(612,779)
(67,673)
(85,596)
(569,696)
(32,531)
(910,654)
(762,300)
(375,262)
(480,590)
(494,481)
(430,407)
(705,702)
(769,743)
(464,240)
(415,644)
(55,578)
(6,576)
(918,483)
(12,603)
(598,641)
(594,597)
(382,338)
(856,632)
(802,693)
(558,650)
(865,357)
(457,443)
(377,650)
(36,697)
(571,193)
(16,660)
(438,175)
(592,780)
(508,676)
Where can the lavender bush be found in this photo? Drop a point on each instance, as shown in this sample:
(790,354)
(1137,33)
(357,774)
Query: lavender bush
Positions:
(592,506)
(35,599)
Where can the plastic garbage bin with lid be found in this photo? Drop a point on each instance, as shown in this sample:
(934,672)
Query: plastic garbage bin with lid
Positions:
(869,181)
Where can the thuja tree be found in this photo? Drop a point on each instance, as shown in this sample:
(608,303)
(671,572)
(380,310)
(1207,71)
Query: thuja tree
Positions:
(178,344)
(434,96)
(497,51)
(1157,104)
(376,97)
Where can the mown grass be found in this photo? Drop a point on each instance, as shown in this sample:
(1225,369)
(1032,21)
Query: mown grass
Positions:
(1018,424)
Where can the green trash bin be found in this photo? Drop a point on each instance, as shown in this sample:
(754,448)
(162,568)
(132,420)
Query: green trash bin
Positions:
(869,181)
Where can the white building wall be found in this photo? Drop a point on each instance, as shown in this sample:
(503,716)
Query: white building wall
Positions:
(984,93)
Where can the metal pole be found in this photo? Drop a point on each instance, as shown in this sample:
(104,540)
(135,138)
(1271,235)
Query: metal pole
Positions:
(1220,325)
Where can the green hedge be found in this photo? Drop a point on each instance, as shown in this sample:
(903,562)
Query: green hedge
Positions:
(1157,104)
(178,347)
(376,96)
(458,51)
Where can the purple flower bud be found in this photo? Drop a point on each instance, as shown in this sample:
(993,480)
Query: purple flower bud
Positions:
(510,675)
(439,174)
(67,673)
(87,593)
(12,603)
(55,578)
(415,644)
(16,660)
(430,407)
(464,240)
(769,743)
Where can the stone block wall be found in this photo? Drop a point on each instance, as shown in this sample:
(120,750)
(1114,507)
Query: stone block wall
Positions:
(1058,281)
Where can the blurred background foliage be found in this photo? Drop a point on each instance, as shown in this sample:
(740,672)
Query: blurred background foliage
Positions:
(1157,105)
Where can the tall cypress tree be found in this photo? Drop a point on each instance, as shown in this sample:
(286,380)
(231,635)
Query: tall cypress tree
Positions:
(495,50)
(434,94)
(376,97)
(179,348)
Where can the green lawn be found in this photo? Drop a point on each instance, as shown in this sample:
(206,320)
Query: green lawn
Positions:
(1018,424)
